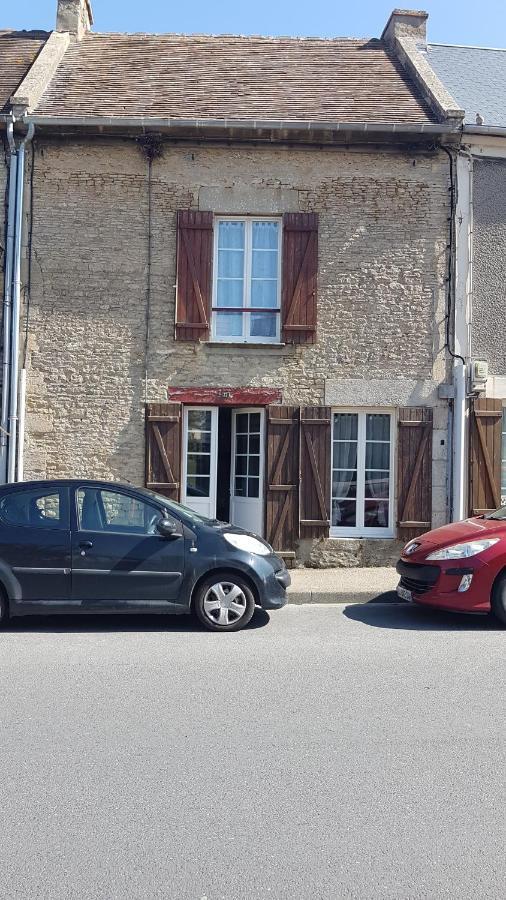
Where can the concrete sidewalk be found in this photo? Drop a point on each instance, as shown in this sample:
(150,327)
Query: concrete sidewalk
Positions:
(342,585)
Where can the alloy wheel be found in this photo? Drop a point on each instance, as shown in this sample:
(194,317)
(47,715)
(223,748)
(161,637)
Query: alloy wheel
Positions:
(224,603)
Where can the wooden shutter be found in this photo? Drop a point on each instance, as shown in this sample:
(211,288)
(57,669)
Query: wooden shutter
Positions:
(485,456)
(300,269)
(314,471)
(414,471)
(282,466)
(194,274)
(163,448)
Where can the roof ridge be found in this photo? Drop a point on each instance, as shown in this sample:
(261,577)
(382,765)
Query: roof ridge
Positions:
(466,47)
(263,37)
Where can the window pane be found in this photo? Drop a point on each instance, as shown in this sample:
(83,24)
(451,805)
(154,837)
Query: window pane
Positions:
(254,443)
(376,514)
(345,455)
(344,513)
(264,293)
(230,263)
(230,293)
(344,484)
(265,235)
(377,485)
(254,422)
(114,511)
(229,324)
(241,423)
(264,264)
(242,443)
(199,442)
(378,427)
(254,465)
(36,509)
(198,465)
(231,234)
(199,419)
(263,325)
(377,456)
(253,486)
(197,487)
(345,426)
(241,487)
(241,465)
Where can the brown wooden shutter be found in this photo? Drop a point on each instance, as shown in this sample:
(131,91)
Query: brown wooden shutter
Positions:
(315,471)
(485,456)
(300,269)
(194,274)
(414,471)
(163,448)
(282,502)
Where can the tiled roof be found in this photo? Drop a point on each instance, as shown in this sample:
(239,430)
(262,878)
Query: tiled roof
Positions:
(18,50)
(475,77)
(218,77)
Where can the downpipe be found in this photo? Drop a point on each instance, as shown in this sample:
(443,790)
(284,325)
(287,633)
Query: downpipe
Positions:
(13,421)
(7,302)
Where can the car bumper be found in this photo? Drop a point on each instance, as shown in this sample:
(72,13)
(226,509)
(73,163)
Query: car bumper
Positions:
(438,586)
(272,594)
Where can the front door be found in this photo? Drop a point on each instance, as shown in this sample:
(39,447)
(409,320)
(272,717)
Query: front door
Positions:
(200,459)
(247,470)
(119,560)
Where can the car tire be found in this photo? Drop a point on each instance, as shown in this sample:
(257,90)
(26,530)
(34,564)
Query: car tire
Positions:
(498,603)
(216,609)
(4,611)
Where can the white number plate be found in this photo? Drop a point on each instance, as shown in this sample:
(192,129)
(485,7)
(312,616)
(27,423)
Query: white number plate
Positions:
(404,594)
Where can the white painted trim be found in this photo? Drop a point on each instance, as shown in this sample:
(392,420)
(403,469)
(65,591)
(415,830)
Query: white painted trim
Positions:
(360,531)
(248,255)
(260,500)
(195,503)
(477,145)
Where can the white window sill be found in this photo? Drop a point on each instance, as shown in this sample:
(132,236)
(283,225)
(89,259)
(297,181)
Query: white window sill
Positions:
(371,533)
(245,345)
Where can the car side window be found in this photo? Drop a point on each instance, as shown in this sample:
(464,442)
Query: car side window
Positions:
(41,508)
(113,511)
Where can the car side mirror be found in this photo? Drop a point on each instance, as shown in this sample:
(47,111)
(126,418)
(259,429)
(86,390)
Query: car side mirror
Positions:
(167,528)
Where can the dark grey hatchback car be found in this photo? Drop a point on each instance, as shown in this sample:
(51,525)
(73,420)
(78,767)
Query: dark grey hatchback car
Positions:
(93,546)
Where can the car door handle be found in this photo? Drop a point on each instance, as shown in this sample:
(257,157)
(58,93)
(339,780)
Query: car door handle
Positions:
(86,545)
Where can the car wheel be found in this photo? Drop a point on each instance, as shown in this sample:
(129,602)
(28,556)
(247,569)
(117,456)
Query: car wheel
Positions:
(224,602)
(4,611)
(499,599)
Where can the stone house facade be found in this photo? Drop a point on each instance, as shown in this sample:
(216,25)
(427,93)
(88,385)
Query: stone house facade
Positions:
(239,298)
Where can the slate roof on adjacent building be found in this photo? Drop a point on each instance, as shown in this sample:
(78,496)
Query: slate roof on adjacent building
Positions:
(228,77)
(18,50)
(475,77)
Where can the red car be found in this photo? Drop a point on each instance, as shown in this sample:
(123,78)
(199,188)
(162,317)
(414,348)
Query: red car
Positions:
(459,567)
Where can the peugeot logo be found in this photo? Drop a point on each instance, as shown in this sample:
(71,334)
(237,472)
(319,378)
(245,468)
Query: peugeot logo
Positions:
(411,549)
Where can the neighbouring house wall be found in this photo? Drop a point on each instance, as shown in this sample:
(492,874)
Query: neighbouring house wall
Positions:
(489,263)
(381,304)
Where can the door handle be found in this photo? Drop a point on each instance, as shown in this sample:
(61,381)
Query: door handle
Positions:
(86,545)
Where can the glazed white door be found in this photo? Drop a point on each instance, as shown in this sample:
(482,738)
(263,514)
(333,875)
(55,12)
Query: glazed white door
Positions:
(247,469)
(200,457)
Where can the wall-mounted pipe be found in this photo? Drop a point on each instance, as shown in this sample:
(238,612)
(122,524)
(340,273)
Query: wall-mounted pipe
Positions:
(7,301)
(16,310)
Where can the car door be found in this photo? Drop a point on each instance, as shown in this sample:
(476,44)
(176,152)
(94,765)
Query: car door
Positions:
(119,560)
(35,545)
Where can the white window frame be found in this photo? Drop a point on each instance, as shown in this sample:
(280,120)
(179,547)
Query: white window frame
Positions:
(199,504)
(245,338)
(360,530)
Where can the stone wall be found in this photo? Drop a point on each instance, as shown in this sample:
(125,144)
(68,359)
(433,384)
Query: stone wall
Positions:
(489,263)
(382,239)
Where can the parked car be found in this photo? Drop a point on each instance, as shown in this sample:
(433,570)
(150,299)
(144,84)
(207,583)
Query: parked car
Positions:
(99,547)
(459,567)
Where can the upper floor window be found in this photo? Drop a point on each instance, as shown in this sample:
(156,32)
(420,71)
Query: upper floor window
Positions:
(247,280)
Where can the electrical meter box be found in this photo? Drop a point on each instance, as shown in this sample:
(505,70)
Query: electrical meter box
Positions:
(479,374)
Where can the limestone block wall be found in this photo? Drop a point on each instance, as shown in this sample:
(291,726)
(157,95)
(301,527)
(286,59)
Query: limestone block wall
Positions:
(381,305)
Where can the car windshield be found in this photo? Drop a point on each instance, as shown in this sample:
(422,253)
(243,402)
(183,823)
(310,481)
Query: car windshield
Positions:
(498,514)
(178,508)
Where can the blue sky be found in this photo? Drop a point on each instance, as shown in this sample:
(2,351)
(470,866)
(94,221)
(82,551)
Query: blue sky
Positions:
(451,21)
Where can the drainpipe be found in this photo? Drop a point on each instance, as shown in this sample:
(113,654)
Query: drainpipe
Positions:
(7,306)
(16,309)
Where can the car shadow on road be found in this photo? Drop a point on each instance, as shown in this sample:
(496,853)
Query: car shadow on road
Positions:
(124,622)
(407,617)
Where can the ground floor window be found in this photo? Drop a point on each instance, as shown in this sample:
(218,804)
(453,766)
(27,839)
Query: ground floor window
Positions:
(362,467)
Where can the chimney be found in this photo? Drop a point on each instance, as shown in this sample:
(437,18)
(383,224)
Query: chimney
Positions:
(407,23)
(75,17)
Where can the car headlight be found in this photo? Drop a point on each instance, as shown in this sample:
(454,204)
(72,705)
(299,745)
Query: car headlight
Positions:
(461,551)
(248,544)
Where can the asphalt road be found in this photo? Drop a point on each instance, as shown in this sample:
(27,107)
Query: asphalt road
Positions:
(329,753)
